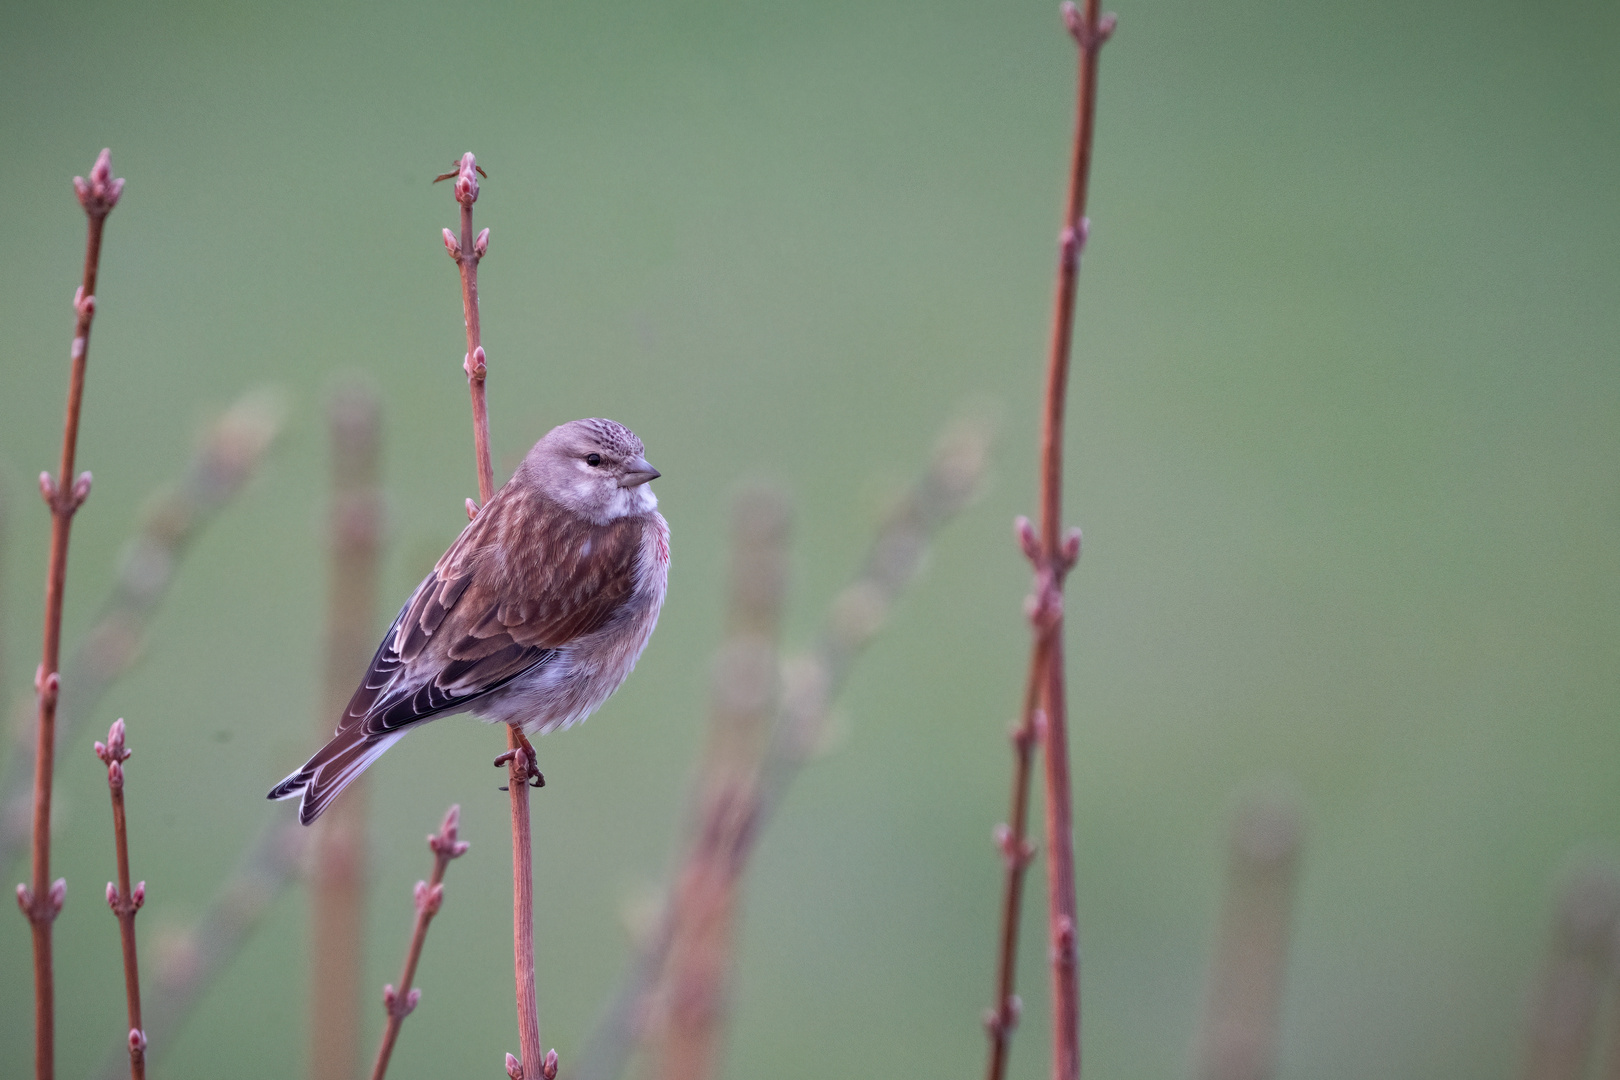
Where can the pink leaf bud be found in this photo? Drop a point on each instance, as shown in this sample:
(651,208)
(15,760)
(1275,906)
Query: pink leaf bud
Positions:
(467,180)
(58,896)
(513,1069)
(475,365)
(25,899)
(548,1068)
(1072,18)
(137,1041)
(410,1001)
(84,305)
(115,776)
(115,741)
(101,750)
(472,512)
(1027,540)
(81,490)
(140,894)
(421,895)
(390,996)
(112,897)
(452,245)
(1071,549)
(100,193)
(47,489)
(481,245)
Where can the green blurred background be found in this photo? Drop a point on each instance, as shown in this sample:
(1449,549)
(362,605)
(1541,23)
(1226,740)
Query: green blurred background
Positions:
(1344,442)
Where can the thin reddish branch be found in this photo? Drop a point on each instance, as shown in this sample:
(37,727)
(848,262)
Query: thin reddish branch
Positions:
(123,900)
(1016,853)
(1058,556)
(42,900)
(338,870)
(398,1002)
(1052,555)
(519,757)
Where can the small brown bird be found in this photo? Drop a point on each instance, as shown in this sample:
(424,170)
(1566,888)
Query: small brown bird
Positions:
(534,616)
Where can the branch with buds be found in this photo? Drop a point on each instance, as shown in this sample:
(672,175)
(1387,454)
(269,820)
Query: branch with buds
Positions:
(399,1001)
(519,758)
(123,900)
(63,496)
(1052,553)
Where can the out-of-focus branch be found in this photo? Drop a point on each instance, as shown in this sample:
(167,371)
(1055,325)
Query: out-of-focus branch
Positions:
(429,897)
(42,901)
(1242,1012)
(810,683)
(338,870)
(123,900)
(691,1006)
(229,453)
(1563,1011)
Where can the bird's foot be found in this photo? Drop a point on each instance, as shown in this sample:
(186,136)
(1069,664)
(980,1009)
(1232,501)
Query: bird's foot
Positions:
(529,769)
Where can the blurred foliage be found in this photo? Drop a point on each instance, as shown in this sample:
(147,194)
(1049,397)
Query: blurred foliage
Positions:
(1344,442)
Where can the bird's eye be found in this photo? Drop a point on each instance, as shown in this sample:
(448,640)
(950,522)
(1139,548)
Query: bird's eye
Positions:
(593,459)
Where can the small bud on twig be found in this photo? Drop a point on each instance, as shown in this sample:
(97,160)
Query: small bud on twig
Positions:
(25,900)
(473,364)
(548,1068)
(137,1041)
(100,193)
(57,897)
(139,896)
(466,174)
(1028,542)
(444,842)
(452,245)
(513,1068)
(112,897)
(472,509)
(481,245)
(84,305)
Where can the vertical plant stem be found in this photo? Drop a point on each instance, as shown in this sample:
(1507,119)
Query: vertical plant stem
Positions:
(467,251)
(338,873)
(705,898)
(1242,1012)
(429,898)
(1016,852)
(41,900)
(123,900)
(1053,554)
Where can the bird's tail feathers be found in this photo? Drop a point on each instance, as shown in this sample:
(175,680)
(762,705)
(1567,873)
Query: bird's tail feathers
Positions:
(334,767)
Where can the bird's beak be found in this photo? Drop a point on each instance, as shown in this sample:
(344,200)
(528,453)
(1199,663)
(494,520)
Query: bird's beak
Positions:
(638,472)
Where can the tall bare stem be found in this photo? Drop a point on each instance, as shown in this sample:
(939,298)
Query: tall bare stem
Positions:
(705,897)
(1052,554)
(400,1001)
(467,251)
(123,900)
(338,873)
(41,901)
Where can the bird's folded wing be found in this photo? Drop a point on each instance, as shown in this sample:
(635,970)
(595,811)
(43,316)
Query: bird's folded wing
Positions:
(524,579)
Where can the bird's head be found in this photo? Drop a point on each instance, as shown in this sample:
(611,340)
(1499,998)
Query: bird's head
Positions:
(594,467)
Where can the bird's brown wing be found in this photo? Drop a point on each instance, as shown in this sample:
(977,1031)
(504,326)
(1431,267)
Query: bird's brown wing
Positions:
(525,578)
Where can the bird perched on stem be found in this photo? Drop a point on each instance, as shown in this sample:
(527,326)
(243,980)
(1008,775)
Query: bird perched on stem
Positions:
(534,616)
